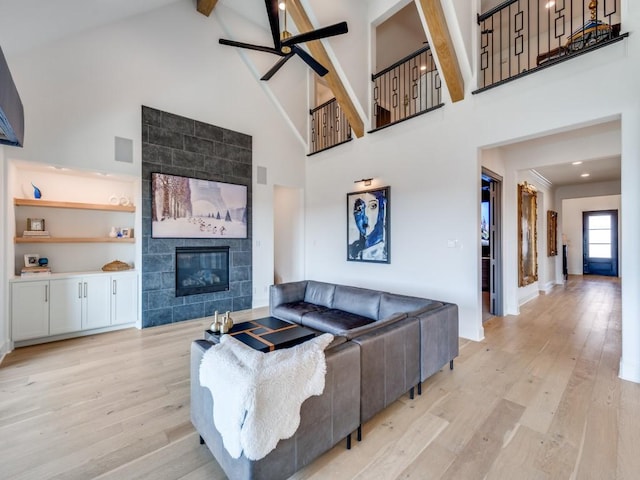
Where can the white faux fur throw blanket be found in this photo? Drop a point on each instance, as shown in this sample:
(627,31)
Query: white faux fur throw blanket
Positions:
(257,396)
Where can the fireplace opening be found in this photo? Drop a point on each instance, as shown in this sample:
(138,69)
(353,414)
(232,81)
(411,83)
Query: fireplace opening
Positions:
(201,270)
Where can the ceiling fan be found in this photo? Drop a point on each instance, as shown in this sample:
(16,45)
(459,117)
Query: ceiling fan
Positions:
(286,44)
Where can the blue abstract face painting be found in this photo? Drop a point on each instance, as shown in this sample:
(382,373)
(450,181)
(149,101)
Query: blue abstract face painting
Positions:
(367,225)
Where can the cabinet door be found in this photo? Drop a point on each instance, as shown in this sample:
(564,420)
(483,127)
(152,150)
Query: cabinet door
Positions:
(29,310)
(97,298)
(124,298)
(66,305)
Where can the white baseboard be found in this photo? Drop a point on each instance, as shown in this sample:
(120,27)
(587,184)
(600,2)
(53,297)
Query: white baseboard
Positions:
(4,349)
(528,298)
(547,287)
(630,371)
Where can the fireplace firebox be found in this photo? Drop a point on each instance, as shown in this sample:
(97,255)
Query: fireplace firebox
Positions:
(201,270)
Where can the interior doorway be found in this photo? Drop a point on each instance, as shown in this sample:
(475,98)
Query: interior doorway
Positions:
(491,244)
(600,242)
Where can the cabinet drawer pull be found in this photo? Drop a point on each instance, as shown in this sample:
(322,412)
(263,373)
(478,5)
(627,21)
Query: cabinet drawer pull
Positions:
(114,287)
(85,289)
(79,289)
(46,293)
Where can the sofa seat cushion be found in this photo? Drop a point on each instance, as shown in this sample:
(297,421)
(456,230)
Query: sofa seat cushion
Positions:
(334,321)
(294,311)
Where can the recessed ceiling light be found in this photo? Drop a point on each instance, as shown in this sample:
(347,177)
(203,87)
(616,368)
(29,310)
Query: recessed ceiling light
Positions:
(549,4)
(282,5)
(585,175)
(423,68)
(576,163)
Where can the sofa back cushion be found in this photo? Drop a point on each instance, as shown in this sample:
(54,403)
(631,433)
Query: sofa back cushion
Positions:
(319,293)
(359,301)
(391,304)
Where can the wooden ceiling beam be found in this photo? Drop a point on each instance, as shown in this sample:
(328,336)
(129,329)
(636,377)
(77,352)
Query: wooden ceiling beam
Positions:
(443,47)
(301,19)
(205,7)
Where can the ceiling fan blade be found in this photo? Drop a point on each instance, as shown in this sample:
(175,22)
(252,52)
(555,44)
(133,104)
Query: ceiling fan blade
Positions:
(309,60)
(274,21)
(276,67)
(250,46)
(324,32)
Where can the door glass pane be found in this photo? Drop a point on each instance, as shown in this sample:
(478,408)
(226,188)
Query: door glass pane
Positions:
(600,221)
(599,251)
(599,236)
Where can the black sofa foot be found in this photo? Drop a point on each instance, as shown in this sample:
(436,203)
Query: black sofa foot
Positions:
(201,440)
(359,433)
(411,393)
(451,365)
(420,388)
(349,442)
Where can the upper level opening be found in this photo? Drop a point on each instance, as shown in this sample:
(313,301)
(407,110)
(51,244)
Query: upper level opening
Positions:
(407,82)
(518,37)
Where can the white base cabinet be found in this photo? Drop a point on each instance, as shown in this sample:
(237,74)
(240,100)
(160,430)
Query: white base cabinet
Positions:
(29,310)
(70,303)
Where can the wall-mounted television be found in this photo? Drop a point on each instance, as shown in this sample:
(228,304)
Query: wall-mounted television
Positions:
(183,207)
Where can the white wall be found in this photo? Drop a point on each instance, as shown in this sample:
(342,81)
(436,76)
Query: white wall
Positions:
(288,228)
(81,91)
(572,227)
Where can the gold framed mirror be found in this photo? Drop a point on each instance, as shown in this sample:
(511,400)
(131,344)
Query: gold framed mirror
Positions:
(527,234)
(552,233)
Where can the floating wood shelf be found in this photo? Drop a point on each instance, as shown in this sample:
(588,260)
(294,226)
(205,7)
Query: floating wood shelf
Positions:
(30,202)
(73,240)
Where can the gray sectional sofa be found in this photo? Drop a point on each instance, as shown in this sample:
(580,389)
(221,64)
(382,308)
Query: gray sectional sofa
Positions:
(385,345)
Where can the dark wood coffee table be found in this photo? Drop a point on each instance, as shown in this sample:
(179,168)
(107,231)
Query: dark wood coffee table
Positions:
(265,334)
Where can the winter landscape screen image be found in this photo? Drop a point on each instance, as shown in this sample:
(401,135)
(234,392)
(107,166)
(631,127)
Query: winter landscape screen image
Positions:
(191,208)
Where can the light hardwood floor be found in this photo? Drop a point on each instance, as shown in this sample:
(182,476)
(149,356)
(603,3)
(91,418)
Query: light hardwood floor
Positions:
(539,398)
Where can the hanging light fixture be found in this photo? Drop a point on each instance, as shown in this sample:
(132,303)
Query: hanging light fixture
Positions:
(285,33)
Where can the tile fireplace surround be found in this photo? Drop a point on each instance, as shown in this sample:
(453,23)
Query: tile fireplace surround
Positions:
(180,146)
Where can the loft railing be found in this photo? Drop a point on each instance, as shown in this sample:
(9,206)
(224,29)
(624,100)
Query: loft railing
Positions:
(329,126)
(407,88)
(518,37)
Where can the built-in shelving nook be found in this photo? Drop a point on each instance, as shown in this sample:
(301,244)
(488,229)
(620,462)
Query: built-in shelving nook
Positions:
(84,214)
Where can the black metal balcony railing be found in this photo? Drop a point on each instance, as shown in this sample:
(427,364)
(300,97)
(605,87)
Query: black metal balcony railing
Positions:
(518,37)
(407,88)
(329,126)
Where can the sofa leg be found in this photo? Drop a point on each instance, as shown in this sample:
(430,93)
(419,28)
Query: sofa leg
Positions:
(359,433)
(201,440)
(349,442)
(451,365)
(420,388)
(411,393)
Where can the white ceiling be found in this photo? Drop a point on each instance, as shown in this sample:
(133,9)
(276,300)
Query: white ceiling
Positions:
(602,170)
(25,24)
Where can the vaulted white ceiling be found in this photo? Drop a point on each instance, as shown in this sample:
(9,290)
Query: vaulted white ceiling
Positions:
(25,24)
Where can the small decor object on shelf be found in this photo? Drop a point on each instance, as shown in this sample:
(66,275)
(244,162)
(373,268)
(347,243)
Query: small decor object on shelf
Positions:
(116,266)
(36,191)
(35,224)
(43,262)
(35,271)
(113,233)
(126,232)
(31,259)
